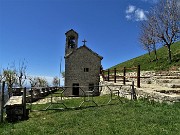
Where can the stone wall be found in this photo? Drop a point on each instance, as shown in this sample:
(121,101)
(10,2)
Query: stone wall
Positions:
(157,96)
(107,87)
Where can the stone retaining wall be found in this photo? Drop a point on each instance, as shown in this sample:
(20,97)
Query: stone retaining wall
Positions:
(125,90)
(157,96)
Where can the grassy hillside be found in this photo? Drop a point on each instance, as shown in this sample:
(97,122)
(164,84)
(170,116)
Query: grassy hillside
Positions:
(148,63)
(131,117)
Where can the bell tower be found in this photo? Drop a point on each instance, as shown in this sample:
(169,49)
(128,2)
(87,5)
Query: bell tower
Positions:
(71,41)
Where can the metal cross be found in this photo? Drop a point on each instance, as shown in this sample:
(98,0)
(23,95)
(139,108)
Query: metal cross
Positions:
(84,41)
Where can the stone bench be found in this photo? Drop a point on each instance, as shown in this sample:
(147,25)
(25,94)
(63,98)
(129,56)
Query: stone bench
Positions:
(15,109)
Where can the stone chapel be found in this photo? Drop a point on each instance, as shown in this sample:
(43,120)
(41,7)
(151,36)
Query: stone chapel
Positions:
(82,66)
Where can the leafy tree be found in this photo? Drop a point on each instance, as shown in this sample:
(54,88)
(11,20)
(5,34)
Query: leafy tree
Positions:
(42,82)
(56,81)
(10,78)
(1,76)
(32,81)
(38,82)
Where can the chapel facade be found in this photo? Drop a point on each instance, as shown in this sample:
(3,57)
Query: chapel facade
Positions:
(82,67)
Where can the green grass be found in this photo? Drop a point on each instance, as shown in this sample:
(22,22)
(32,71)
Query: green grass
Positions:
(129,118)
(148,63)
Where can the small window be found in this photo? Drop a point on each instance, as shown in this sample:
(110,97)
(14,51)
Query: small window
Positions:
(86,69)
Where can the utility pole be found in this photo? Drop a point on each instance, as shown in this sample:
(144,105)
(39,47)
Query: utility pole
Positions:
(60,72)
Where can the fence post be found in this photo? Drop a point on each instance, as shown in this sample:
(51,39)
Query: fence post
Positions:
(114,75)
(133,93)
(138,76)
(108,74)
(102,74)
(24,102)
(31,99)
(124,76)
(2,102)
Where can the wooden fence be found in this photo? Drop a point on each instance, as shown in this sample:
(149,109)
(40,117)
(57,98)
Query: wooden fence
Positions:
(111,75)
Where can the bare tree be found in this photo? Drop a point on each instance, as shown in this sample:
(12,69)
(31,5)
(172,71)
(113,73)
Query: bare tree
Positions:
(143,38)
(162,25)
(55,81)
(21,74)
(152,39)
(147,37)
(166,23)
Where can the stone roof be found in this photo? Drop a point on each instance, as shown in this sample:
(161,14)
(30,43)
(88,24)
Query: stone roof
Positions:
(70,31)
(84,46)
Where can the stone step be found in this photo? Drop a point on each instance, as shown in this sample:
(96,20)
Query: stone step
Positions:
(175,81)
(167,77)
(170,85)
(177,92)
(168,73)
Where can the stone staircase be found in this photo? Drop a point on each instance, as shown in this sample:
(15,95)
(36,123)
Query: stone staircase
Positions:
(168,79)
(164,86)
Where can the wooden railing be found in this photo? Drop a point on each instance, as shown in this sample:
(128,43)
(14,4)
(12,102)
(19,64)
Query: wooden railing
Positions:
(111,75)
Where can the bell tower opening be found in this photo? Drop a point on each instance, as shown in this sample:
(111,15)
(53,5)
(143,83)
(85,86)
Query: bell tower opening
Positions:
(71,41)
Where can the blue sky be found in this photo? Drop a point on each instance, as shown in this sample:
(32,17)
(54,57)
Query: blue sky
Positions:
(34,30)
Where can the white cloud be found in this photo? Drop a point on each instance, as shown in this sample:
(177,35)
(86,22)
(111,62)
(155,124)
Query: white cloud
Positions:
(140,15)
(130,9)
(128,17)
(135,14)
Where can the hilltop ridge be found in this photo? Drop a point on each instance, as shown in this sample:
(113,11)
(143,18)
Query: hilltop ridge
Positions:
(148,62)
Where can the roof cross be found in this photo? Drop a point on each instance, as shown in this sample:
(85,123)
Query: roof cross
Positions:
(84,41)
